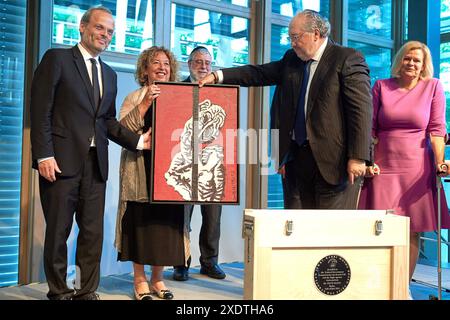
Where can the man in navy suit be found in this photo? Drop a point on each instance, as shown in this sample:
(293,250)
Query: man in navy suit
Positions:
(323,110)
(73,114)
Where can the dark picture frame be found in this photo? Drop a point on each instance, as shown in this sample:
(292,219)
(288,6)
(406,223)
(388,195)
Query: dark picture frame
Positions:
(195,144)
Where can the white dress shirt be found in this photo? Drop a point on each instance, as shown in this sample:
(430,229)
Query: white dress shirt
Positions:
(87,61)
(316,59)
(87,56)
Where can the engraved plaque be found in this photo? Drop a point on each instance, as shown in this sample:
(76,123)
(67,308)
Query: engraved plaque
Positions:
(332,275)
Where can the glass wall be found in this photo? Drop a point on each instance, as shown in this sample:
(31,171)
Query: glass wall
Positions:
(279,44)
(134,23)
(378,59)
(370,17)
(12,58)
(225,36)
(370,31)
(243,3)
(444,76)
(405,33)
(289,8)
(445,16)
(445,53)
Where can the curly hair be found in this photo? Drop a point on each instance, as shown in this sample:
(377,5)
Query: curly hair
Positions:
(147,56)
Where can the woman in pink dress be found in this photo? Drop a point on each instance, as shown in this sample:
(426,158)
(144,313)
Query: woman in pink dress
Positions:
(409,132)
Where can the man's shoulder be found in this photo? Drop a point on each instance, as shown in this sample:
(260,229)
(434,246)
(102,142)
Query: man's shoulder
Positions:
(337,48)
(107,68)
(343,54)
(290,54)
(56,56)
(290,59)
(59,52)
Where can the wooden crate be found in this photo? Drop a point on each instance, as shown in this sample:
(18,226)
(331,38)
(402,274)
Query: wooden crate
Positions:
(325,254)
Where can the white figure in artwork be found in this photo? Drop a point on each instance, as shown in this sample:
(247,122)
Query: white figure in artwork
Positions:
(211,170)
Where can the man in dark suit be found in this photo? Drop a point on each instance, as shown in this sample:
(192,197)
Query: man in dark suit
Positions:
(72,117)
(323,110)
(199,63)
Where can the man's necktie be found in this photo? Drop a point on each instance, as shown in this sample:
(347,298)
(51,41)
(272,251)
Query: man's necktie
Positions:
(300,122)
(95,84)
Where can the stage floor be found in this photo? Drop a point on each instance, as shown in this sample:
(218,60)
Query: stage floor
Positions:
(200,287)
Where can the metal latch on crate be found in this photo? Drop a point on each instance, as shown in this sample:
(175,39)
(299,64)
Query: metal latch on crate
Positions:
(248,229)
(289,227)
(247,232)
(378,227)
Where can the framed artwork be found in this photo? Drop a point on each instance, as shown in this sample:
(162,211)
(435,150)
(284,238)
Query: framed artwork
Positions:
(194,144)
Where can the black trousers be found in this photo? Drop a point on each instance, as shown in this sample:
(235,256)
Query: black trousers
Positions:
(84,195)
(305,188)
(209,233)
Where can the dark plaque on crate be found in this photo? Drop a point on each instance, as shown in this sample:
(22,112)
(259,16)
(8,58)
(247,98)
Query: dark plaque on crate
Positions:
(332,275)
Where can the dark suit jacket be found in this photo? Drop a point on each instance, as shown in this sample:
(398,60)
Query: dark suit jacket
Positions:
(339,106)
(63,116)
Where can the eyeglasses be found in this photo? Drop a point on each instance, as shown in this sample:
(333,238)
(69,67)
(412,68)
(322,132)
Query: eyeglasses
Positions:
(295,37)
(200,62)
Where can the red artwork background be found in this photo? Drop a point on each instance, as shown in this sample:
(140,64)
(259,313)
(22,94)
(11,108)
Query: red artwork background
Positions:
(172,110)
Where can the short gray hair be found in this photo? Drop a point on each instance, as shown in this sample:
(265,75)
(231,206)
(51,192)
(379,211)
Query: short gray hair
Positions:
(315,20)
(87,15)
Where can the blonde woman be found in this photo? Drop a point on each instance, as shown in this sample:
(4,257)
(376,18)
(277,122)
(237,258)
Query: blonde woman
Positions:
(409,127)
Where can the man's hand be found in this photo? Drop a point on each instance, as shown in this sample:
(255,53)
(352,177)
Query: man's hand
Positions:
(282,171)
(148,139)
(209,79)
(355,168)
(48,169)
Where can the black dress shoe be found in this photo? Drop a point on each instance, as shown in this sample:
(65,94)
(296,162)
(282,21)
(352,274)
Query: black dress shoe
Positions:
(213,271)
(87,296)
(180,273)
